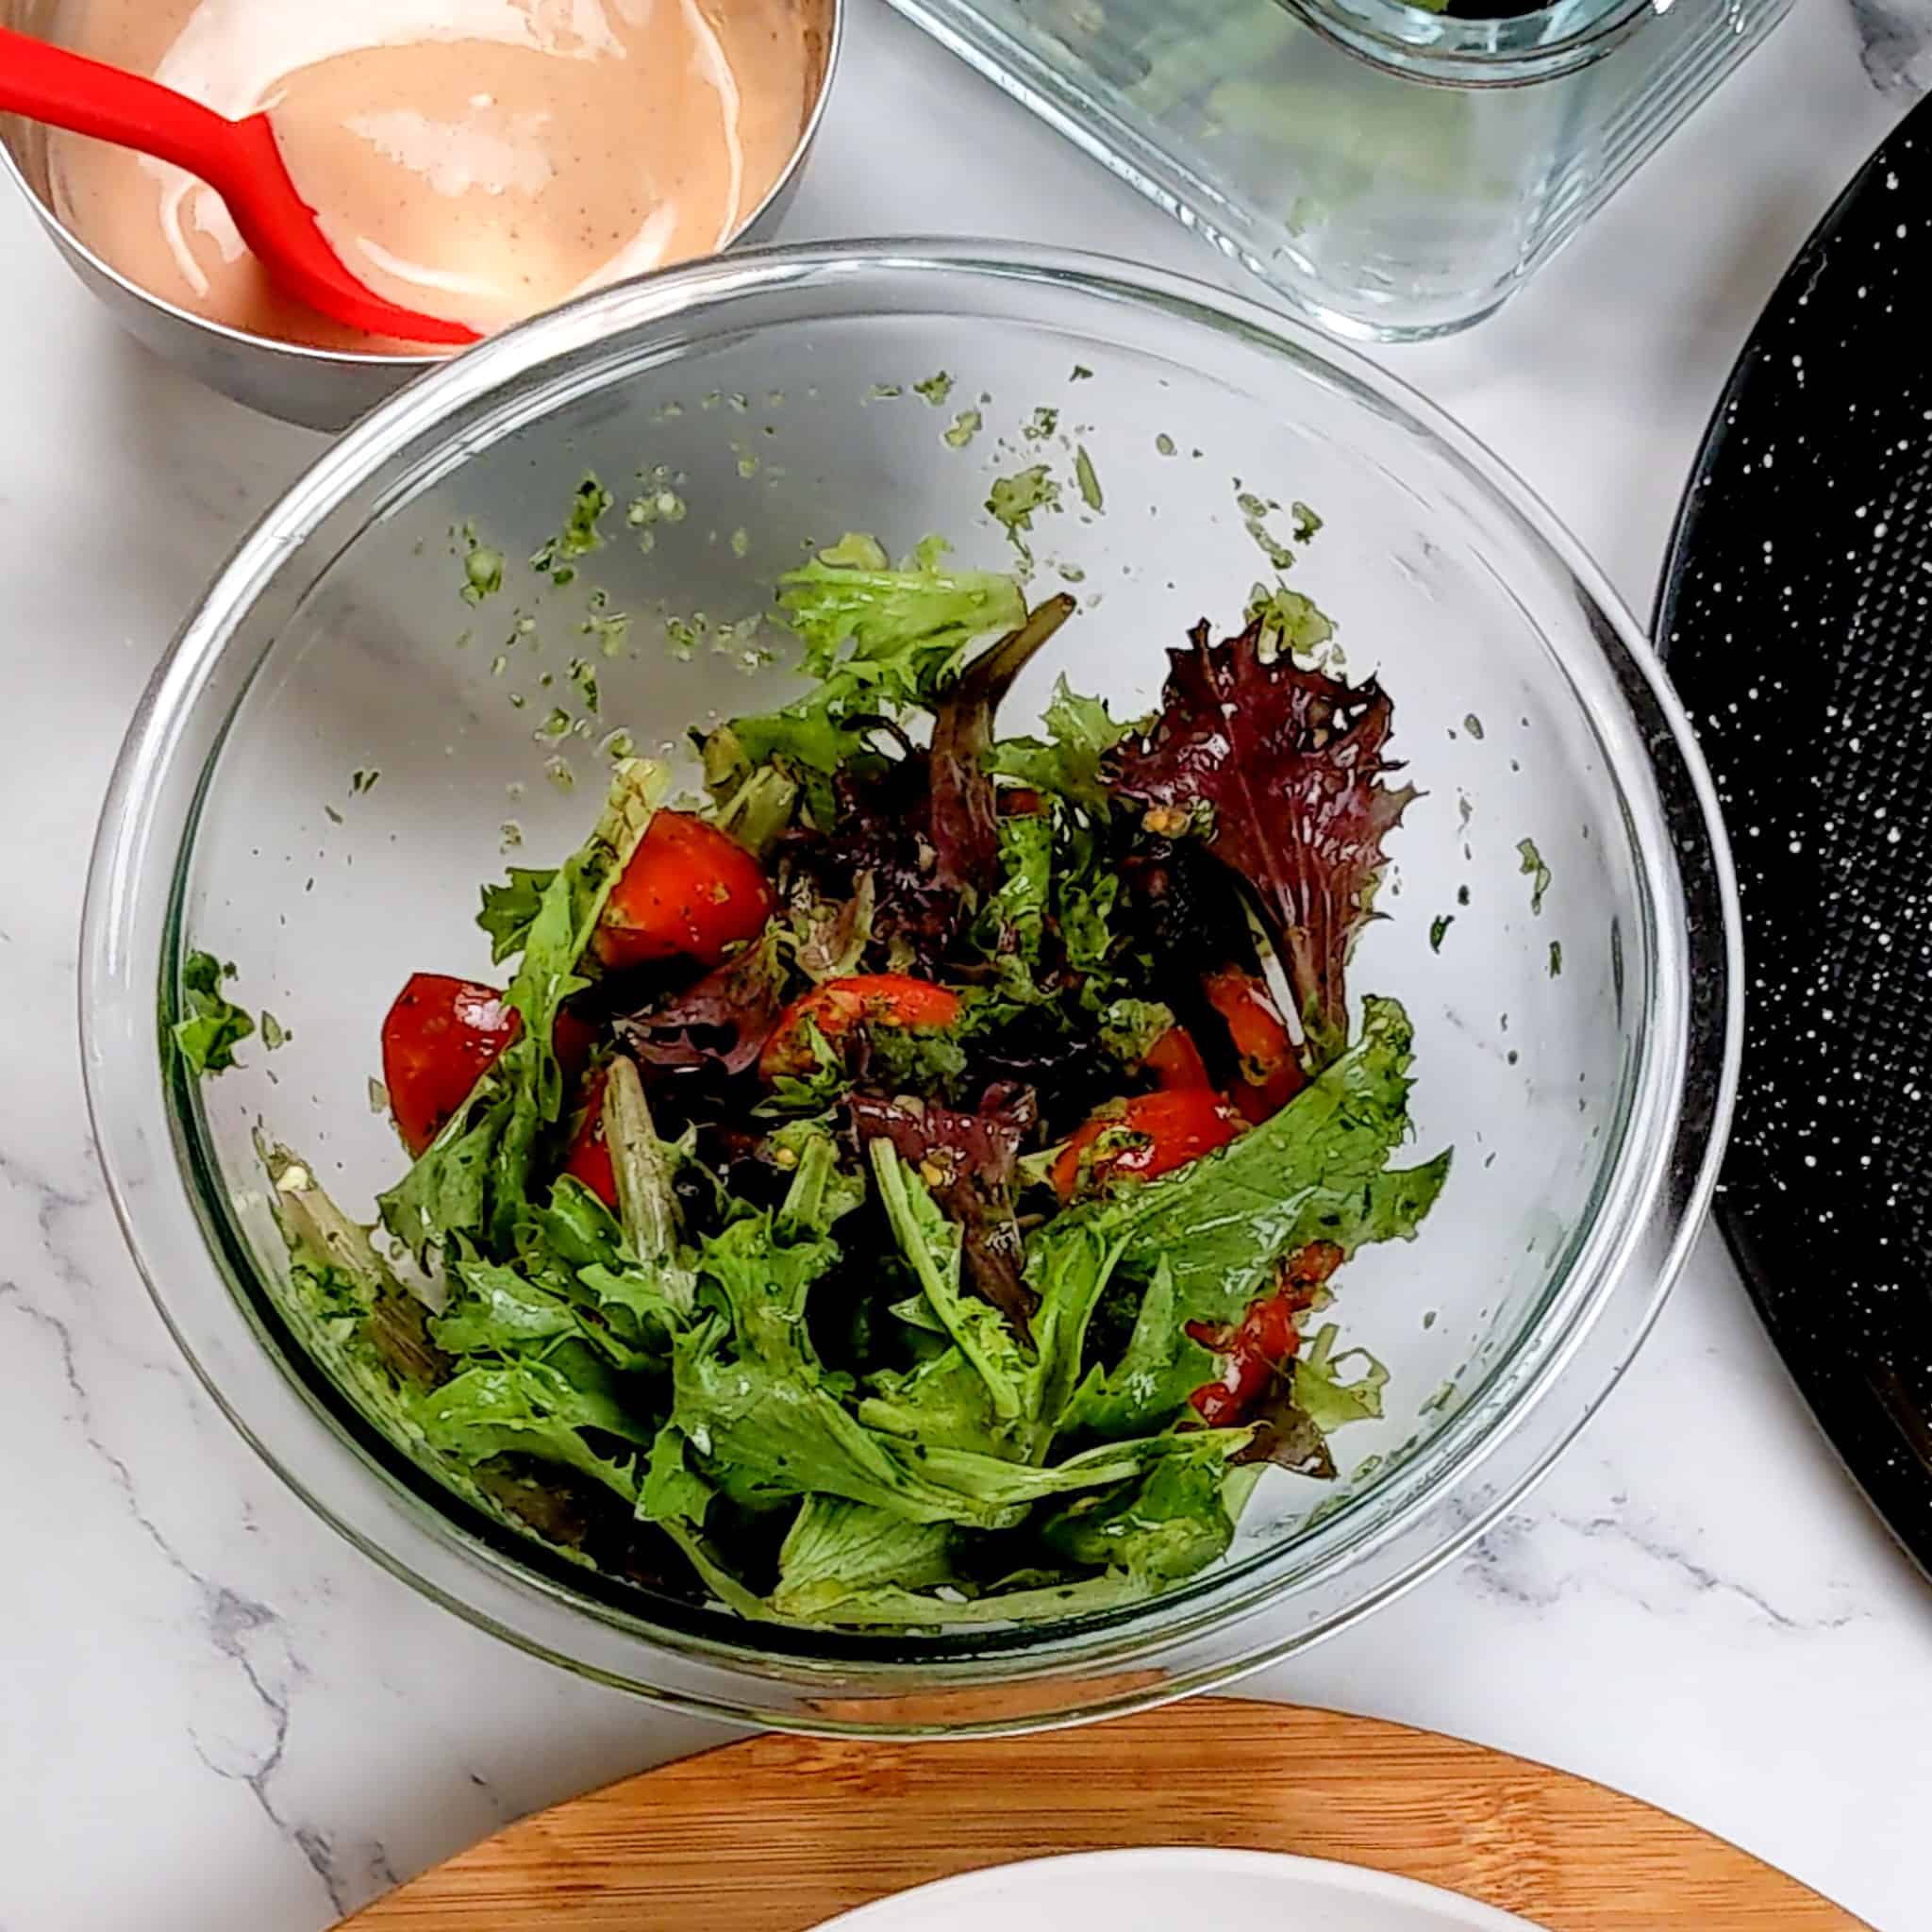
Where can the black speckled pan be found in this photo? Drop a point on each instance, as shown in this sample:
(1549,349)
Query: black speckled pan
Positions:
(1796,614)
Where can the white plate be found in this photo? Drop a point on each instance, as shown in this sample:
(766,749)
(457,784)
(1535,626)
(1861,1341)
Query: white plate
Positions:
(1157,1890)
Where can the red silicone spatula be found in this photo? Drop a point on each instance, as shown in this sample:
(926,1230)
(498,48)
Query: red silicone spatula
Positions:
(239,159)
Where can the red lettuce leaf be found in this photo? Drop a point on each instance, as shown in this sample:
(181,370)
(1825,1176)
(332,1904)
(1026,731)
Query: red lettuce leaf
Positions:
(720,1022)
(925,823)
(965,824)
(969,1161)
(1283,770)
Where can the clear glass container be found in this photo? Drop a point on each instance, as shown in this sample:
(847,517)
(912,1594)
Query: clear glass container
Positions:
(1576,1046)
(1395,172)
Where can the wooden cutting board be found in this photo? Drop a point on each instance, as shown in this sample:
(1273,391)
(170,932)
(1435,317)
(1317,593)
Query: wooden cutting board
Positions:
(776,1834)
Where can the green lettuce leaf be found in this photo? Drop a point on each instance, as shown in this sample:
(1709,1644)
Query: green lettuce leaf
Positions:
(822,1192)
(1080,732)
(1222,1221)
(878,640)
(510,909)
(1172,1523)
(837,1550)
(212,1026)
(932,1245)
(1161,1366)
(1011,926)
(572,1245)
(941,1403)
(522,1405)
(1322,1394)
(347,1296)
(670,1493)
(764,1431)
(473,1178)
(887,1607)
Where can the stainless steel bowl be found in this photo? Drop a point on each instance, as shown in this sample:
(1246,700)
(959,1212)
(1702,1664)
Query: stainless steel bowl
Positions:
(320,389)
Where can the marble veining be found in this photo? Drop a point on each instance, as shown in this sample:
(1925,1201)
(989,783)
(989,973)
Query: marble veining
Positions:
(213,1712)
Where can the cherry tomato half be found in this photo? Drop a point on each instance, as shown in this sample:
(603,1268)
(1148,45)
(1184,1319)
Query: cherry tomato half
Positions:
(1159,1132)
(1253,1352)
(869,999)
(690,891)
(441,1036)
(1175,1061)
(588,1159)
(1271,1075)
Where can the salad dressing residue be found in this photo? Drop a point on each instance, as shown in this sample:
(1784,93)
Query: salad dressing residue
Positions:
(479,160)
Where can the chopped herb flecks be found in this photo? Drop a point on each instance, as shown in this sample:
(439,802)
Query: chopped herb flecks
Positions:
(579,536)
(1534,869)
(1084,475)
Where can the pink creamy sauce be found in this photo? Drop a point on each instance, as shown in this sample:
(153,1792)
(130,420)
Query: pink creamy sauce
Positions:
(477,159)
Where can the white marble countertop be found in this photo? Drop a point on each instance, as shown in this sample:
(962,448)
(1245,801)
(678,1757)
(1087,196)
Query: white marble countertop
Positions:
(212,1713)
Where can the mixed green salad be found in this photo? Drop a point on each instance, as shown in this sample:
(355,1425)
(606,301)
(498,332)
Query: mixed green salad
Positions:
(903,1184)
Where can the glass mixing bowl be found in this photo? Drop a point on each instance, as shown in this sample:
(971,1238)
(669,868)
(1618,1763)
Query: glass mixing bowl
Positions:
(770,399)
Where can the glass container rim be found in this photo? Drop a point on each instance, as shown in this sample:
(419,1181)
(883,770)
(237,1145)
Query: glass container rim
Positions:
(1508,50)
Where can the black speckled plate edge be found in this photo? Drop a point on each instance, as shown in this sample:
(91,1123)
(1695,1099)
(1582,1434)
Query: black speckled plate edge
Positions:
(1817,1239)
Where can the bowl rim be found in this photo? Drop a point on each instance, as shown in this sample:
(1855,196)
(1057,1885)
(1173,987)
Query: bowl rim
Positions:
(404,366)
(1683,1162)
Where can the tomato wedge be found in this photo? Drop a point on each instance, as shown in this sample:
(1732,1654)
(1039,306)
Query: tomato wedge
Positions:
(1175,1061)
(1253,1352)
(690,891)
(588,1159)
(438,1039)
(1272,1073)
(869,999)
(1155,1133)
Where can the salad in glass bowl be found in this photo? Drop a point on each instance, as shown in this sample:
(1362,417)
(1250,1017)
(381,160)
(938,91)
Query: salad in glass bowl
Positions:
(903,1184)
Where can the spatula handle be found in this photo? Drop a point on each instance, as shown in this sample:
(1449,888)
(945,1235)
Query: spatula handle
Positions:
(67,89)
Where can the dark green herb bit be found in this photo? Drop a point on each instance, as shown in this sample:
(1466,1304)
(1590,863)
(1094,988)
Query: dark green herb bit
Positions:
(1305,522)
(1045,419)
(1533,868)
(360,781)
(214,1026)
(935,389)
(1556,959)
(1439,928)
(579,535)
(1473,726)
(1089,481)
(1463,895)
(1081,374)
